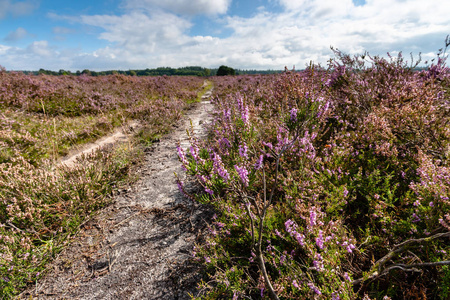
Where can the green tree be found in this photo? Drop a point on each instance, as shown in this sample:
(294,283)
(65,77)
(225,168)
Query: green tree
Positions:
(87,72)
(224,70)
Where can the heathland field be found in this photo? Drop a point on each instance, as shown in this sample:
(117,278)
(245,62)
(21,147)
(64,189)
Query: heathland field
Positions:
(44,118)
(327,183)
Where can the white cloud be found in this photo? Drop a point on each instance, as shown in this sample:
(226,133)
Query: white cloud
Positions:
(36,55)
(62,30)
(16,35)
(17,8)
(182,7)
(40,48)
(141,33)
(269,40)
(4,49)
(154,33)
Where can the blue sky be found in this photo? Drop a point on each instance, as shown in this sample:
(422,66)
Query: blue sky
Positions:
(250,34)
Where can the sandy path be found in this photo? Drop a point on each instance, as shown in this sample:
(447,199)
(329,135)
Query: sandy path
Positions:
(140,246)
(119,135)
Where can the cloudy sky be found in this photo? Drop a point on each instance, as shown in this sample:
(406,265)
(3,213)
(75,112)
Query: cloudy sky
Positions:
(244,34)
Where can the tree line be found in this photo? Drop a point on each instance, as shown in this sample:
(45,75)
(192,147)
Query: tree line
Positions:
(160,71)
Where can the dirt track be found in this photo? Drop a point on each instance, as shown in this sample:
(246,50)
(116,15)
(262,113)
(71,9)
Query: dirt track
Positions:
(140,246)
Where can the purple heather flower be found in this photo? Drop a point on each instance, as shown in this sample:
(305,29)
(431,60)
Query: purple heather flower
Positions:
(209,191)
(219,168)
(347,277)
(291,228)
(345,192)
(244,110)
(294,114)
(319,240)
(243,150)
(415,218)
(259,162)
(295,284)
(348,247)
(194,152)
(243,174)
(180,186)
(224,142)
(277,233)
(335,296)
(182,156)
(312,217)
(227,114)
(318,262)
(323,109)
(268,145)
(314,288)
(245,115)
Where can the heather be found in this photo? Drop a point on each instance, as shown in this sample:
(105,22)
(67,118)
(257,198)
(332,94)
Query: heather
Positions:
(329,183)
(42,119)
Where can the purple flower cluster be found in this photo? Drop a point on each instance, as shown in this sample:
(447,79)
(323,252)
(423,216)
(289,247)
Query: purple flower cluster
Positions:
(182,156)
(259,162)
(195,152)
(243,110)
(219,168)
(291,228)
(319,240)
(293,114)
(243,150)
(314,288)
(243,174)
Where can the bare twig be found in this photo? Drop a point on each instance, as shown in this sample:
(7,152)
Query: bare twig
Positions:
(378,270)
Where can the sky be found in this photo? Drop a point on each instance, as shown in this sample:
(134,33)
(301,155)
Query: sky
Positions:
(243,34)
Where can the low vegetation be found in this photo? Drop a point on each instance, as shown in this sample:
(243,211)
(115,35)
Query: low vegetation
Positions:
(329,183)
(44,117)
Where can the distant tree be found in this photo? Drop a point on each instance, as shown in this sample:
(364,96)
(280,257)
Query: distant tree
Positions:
(86,72)
(224,70)
(64,72)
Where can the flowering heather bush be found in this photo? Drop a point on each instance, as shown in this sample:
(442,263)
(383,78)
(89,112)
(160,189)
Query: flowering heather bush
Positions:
(328,183)
(41,118)
(77,95)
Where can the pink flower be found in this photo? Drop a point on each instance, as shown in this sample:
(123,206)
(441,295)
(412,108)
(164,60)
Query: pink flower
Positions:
(259,162)
(294,114)
(243,174)
(312,217)
(319,240)
(243,150)
(291,228)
